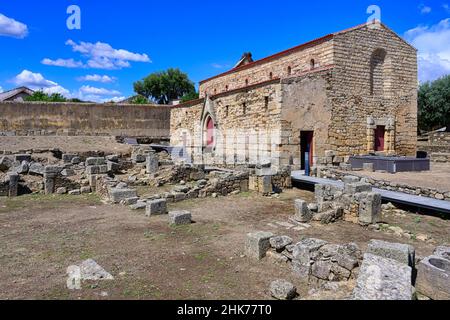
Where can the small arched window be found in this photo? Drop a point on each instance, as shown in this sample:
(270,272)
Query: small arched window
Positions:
(312,64)
(215,91)
(379,73)
(226,88)
(246,82)
(289,70)
(209,136)
(271,76)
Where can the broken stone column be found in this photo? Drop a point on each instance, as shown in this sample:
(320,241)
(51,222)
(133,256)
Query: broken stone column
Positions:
(369,208)
(179,218)
(50,174)
(257,244)
(152,163)
(265,185)
(156,207)
(302,212)
(13,185)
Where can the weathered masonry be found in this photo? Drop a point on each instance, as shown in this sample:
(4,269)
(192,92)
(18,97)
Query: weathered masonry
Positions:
(353,92)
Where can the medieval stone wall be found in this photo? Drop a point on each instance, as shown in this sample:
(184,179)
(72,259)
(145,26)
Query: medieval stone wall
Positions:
(305,107)
(294,62)
(40,118)
(361,88)
(247,124)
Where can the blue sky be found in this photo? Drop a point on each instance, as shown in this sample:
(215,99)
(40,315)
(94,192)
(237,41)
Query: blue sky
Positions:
(123,41)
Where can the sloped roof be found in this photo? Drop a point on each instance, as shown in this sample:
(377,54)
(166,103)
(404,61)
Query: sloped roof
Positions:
(11,93)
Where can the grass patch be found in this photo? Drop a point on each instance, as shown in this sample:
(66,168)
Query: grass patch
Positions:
(40,201)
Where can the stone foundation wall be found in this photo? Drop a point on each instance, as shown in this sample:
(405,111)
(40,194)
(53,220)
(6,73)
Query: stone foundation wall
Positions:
(335,174)
(39,118)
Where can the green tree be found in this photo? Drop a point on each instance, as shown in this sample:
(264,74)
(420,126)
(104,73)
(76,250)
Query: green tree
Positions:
(189,96)
(434,104)
(42,96)
(139,100)
(164,86)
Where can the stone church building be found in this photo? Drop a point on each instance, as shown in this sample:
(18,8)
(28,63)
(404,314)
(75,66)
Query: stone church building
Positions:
(352,92)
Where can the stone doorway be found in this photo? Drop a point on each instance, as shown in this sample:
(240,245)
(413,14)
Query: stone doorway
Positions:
(380,132)
(307,150)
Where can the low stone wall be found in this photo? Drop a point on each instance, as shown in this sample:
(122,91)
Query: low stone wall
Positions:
(39,118)
(335,174)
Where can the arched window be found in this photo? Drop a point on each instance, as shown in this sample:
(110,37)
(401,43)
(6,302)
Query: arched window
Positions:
(312,64)
(226,88)
(209,133)
(271,76)
(289,70)
(215,91)
(379,73)
(246,82)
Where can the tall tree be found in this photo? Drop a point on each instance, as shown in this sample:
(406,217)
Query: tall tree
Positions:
(164,86)
(434,104)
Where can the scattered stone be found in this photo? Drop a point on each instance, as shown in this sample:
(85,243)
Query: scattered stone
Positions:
(358,187)
(279,243)
(156,207)
(258,244)
(36,169)
(118,195)
(76,192)
(402,253)
(313,207)
(283,290)
(5,163)
(76,160)
(68,172)
(95,161)
(302,212)
(280,258)
(369,208)
(112,167)
(433,278)
(90,270)
(22,157)
(351,179)
(13,189)
(179,218)
(140,205)
(61,190)
(383,279)
(113,158)
(85,190)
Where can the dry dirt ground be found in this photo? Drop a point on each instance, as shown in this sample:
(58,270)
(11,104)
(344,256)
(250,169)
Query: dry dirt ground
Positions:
(437,178)
(40,236)
(64,143)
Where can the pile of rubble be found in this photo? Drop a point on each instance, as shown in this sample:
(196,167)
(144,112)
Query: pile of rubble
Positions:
(386,271)
(355,202)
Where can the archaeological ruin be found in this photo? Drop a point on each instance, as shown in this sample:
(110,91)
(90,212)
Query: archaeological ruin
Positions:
(324,95)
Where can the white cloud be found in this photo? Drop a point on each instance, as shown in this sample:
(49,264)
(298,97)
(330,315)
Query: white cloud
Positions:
(36,81)
(98,91)
(433,47)
(424,9)
(67,63)
(12,28)
(99,56)
(113,99)
(1,89)
(97,78)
